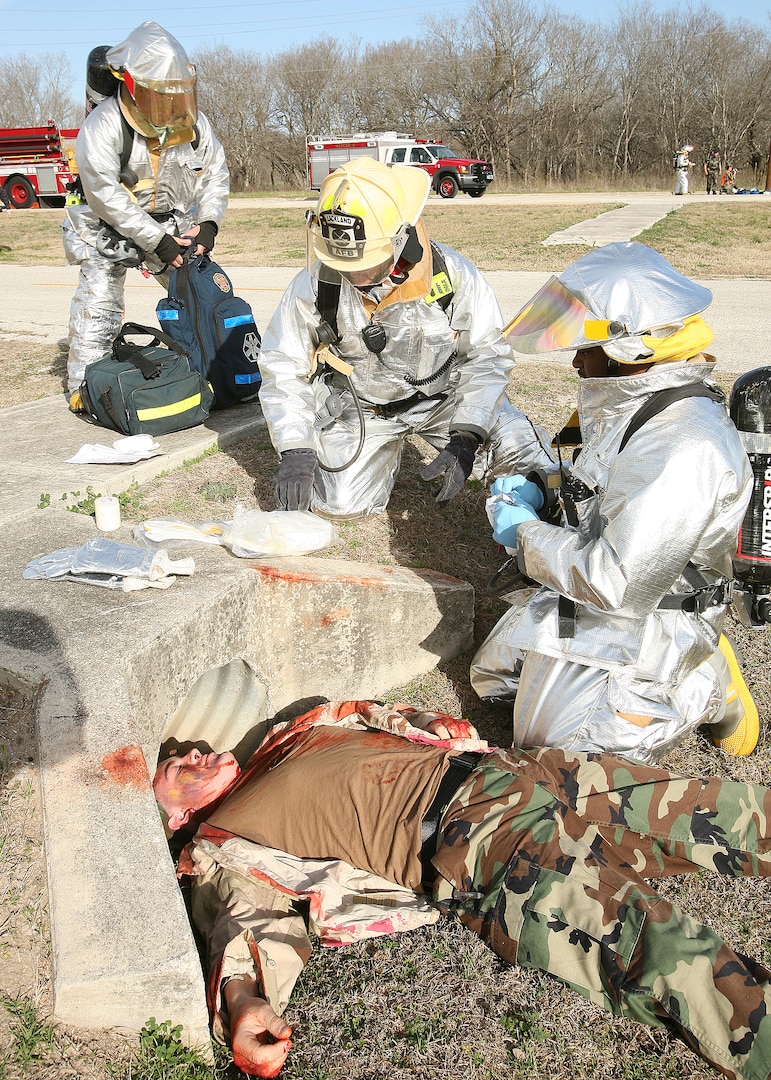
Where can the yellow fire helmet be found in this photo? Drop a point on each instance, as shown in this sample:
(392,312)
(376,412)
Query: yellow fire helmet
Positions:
(158,95)
(624,297)
(364,214)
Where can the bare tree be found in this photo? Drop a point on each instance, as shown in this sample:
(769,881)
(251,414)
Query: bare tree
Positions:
(34,90)
(394,88)
(629,73)
(574,93)
(234,90)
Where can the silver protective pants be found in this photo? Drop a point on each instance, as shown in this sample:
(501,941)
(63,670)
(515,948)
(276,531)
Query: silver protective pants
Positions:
(366,485)
(96,313)
(97,306)
(558,702)
(681,188)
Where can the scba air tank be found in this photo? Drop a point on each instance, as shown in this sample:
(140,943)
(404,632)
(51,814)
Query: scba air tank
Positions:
(750,407)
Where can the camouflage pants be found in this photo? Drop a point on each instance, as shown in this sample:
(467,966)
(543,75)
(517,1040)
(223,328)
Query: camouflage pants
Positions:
(545,855)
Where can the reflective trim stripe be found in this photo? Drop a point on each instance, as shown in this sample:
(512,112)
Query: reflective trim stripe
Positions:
(173,409)
(237,320)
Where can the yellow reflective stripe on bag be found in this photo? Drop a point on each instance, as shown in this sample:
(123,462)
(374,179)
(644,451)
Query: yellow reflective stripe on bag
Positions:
(174,409)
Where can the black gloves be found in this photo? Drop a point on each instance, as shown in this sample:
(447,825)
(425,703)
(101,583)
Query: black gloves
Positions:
(293,485)
(454,463)
(168,249)
(207,232)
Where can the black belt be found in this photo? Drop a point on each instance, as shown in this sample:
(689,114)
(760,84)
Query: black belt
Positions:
(458,769)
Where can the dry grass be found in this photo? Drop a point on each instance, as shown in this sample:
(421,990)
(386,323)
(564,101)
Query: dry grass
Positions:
(725,238)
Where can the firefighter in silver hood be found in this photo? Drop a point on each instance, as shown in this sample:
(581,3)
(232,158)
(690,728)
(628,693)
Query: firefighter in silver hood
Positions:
(154,181)
(385,334)
(616,642)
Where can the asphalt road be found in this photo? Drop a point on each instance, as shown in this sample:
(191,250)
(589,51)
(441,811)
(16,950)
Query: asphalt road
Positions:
(35,304)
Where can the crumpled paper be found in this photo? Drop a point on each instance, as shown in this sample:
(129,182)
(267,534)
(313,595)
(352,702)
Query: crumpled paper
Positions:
(123,451)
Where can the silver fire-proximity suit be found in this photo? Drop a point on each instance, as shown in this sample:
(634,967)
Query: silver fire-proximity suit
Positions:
(192,186)
(595,660)
(439,371)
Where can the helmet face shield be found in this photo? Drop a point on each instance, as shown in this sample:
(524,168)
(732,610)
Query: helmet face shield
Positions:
(158,95)
(552,320)
(166,108)
(614,297)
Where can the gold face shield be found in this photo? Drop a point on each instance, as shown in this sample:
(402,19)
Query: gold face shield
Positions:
(553,319)
(167,109)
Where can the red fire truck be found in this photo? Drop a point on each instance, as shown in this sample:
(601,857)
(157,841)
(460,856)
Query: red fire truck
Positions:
(37,164)
(449,172)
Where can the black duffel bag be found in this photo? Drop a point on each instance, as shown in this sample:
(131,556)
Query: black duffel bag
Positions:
(145,389)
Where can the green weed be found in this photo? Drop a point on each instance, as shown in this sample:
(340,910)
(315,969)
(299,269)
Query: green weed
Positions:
(162,1056)
(33,1038)
(524,1026)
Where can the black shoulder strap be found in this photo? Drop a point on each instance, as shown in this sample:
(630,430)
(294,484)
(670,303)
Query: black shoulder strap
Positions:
(128,141)
(659,401)
(439,270)
(328,298)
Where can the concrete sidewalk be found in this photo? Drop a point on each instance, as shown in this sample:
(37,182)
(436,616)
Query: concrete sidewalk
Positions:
(618,225)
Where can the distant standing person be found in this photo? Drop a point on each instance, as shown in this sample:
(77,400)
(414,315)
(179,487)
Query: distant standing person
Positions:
(712,170)
(154,181)
(682,164)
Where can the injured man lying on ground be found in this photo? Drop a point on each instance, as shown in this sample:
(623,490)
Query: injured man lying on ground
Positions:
(384,816)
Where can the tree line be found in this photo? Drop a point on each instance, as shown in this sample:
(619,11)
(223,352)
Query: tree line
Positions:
(548,98)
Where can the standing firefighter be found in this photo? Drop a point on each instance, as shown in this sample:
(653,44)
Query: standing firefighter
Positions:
(154,179)
(682,164)
(620,648)
(385,334)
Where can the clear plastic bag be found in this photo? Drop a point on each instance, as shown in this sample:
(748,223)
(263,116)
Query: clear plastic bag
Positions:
(254,533)
(107,562)
(175,532)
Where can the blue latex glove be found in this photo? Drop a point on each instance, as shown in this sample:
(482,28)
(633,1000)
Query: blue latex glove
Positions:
(507,517)
(517,486)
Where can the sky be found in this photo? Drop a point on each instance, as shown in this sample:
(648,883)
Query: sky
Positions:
(74,27)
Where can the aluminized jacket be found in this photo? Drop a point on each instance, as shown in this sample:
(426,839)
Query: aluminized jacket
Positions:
(675,495)
(419,339)
(192,186)
(439,372)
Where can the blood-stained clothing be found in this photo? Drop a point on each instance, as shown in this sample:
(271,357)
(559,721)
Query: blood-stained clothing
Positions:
(629,673)
(543,853)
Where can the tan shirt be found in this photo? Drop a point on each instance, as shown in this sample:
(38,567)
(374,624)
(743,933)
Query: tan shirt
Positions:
(356,796)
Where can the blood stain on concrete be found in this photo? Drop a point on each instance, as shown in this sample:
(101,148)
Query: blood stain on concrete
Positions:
(126,767)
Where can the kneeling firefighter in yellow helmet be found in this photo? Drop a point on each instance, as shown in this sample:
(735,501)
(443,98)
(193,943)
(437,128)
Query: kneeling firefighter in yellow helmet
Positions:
(154,182)
(617,644)
(386,333)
